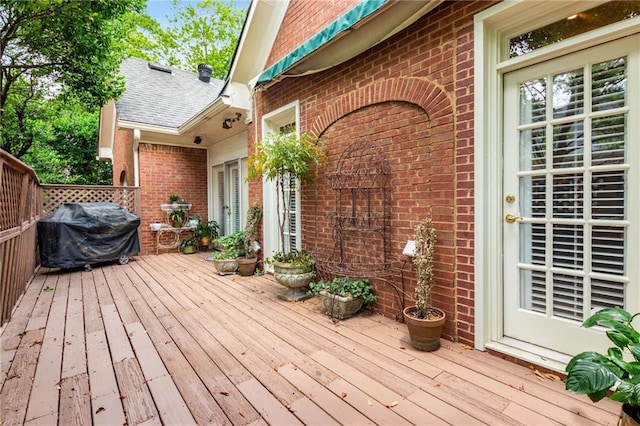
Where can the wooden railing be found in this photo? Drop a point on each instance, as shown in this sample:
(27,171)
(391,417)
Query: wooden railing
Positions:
(20,208)
(23,201)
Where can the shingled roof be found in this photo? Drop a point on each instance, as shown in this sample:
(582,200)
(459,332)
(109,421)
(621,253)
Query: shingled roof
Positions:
(162,96)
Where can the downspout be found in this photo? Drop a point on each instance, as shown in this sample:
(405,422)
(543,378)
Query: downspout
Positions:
(136,157)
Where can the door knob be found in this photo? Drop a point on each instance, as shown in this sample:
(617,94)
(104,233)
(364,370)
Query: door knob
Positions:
(509,218)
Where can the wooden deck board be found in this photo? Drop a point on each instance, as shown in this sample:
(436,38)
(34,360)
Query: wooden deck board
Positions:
(165,340)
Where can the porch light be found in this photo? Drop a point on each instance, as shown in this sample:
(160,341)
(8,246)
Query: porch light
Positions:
(409,248)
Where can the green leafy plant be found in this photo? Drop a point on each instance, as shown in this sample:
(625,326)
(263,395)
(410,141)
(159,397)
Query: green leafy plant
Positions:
(190,241)
(297,258)
(345,287)
(207,230)
(283,158)
(177,217)
(596,374)
(423,260)
(228,253)
(173,198)
(233,241)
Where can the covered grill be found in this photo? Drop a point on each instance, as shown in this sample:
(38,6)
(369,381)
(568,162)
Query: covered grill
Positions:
(81,234)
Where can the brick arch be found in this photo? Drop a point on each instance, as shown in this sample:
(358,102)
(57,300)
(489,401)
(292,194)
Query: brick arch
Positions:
(428,95)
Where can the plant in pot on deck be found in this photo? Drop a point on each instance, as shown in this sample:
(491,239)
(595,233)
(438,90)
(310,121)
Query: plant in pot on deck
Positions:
(599,375)
(287,159)
(424,321)
(247,263)
(343,297)
(207,231)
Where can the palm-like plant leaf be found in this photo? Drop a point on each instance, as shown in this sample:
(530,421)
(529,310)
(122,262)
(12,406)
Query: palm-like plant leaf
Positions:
(591,373)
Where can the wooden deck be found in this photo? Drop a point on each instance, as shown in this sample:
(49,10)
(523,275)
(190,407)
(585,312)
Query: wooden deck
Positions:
(164,340)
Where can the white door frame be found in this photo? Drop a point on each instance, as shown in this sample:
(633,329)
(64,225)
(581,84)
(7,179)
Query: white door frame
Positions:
(492,28)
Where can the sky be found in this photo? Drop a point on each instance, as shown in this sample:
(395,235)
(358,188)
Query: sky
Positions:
(159,9)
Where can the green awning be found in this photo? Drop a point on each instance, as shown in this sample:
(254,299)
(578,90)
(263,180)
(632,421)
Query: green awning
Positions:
(359,12)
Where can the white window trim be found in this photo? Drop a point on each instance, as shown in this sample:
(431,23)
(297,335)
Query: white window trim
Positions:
(491,28)
(271,122)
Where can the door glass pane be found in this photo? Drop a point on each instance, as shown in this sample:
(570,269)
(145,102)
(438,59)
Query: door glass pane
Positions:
(606,294)
(533,152)
(533,101)
(568,246)
(533,193)
(607,195)
(568,144)
(607,250)
(568,196)
(609,84)
(533,291)
(608,139)
(532,243)
(568,93)
(222,211)
(568,296)
(235,196)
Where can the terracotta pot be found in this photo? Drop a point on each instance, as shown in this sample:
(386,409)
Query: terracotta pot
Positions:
(204,241)
(247,266)
(425,333)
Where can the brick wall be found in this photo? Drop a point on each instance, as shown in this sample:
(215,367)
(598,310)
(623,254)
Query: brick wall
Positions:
(412,96)
(166,170)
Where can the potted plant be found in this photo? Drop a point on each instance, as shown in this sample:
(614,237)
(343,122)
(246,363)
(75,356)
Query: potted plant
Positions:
(343,297)
(188,245)
(247,263)
(616,373)
(233,241)
(424,321)
(173,199)
(282,157)
(206,231)
(177,218)
(225,261)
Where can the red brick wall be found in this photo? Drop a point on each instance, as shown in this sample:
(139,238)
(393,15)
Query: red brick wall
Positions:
(412,96)
(303,19)
(166,170)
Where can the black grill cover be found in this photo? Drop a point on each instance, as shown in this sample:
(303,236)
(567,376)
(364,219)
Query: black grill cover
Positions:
(77,234)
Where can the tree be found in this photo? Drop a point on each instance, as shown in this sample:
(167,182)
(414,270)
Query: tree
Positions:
(203,34)
(52,46)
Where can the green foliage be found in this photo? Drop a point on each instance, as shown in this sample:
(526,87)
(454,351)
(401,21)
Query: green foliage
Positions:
(233,241)
(189,241)
(595,374)
(62,140)
(226,254)
(173,198)
(53,47)
(201,33)
(208,229)
(284,158)
(296,258)
(423,260)
(345,287)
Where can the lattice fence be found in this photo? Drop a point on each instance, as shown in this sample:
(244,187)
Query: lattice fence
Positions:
(55,195)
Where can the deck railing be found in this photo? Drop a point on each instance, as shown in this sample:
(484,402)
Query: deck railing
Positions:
(23,201)
(20,209)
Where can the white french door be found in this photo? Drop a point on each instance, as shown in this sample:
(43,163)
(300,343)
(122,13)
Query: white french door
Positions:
(227,197)
(571,190)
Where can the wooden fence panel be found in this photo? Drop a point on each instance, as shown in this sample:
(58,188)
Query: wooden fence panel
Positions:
(20,207)
(55,195)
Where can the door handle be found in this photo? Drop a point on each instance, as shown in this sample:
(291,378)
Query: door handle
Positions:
(509,218)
